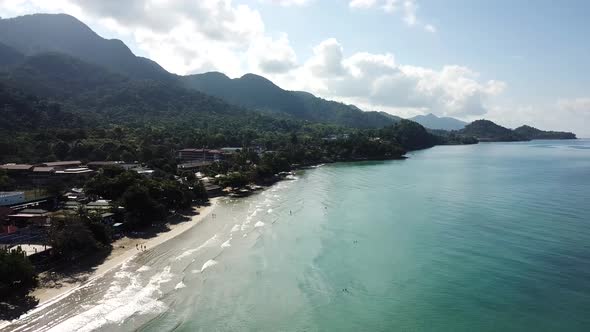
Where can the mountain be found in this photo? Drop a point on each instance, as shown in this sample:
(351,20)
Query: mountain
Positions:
(487,131)
(534,133)
(432,121)
(43,33)
(256,92)
(59,76)
(49,33)
(9,56)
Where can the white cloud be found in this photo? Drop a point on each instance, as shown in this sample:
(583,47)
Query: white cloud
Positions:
(288,3)
(266,55)
(408,9)
(578,105)
(377,80)
(363,4)
(184,36)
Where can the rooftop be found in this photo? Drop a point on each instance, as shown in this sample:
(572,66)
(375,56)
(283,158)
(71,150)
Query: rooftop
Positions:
(62,163)
(16,167)
(43,169)
(104,163)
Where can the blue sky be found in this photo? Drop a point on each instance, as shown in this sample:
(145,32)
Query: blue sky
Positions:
(513,62)
(540,47)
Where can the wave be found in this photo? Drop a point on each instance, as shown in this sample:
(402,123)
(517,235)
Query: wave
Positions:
(144,268)
(209,243)
(125,297)
(208,264)
(226,244)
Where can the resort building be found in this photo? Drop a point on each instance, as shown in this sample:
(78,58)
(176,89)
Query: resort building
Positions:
(187,155)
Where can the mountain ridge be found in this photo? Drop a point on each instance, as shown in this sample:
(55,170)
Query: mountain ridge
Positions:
(432,121)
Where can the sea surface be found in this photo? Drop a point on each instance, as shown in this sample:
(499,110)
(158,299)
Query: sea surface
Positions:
(487,237)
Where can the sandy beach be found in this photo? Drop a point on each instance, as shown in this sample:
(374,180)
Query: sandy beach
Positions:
(123,250)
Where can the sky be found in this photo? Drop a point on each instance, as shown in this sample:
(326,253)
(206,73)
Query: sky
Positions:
(514,62)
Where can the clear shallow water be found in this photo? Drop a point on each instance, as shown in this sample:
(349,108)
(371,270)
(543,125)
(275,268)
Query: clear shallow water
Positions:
(492,237)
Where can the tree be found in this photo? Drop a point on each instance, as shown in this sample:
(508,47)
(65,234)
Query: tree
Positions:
(17,274)
(17,278)
(61,150)
(71,237)
(6,183)
(141,209)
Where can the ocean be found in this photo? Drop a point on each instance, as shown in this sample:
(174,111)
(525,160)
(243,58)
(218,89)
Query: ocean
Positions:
(487,237)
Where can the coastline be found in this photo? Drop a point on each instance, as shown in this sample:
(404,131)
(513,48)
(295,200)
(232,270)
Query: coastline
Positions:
(123,250)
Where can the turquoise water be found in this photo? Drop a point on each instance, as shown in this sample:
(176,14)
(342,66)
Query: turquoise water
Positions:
(490,237)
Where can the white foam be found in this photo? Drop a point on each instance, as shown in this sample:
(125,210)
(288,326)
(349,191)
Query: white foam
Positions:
(235,228)
(259,224)
(125,297)
(144,268)
(180,285)
(208,264)
(209,243)
(226,244)
(269,211)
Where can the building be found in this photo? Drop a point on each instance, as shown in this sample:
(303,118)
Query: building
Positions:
(11,197)
(16,168)
(194,165)
(99,205)
(188,155)
(26,217)
(102,164)
(213,190)
(44,174)
(62,165)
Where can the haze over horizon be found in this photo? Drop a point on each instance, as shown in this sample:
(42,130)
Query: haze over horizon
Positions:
(503,61)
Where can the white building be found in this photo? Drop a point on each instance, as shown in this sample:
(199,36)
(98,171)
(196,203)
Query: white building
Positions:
(11,197)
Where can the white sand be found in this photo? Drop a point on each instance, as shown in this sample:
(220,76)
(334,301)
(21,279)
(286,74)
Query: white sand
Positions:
(123,250)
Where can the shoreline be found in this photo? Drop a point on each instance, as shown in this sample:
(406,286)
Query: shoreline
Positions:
(123,250)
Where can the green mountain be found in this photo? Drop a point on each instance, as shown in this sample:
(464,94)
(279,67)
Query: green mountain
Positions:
(256,92)
(48,33)
(487,131)
(432,121)
(9,56)
(534,133)
(42,33)
(59,76)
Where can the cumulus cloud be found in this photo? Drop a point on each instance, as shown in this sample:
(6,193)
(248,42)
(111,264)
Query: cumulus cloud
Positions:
(362,4)
(272,56)
(376,79)
(184,36)
(288,3)
(407,8)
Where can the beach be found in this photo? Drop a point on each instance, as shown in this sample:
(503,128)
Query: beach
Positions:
(123,250)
